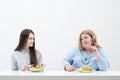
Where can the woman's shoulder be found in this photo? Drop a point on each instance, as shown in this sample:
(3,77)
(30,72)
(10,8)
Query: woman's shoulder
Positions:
(15,53)
(75,49)
(38,51)
(100,49)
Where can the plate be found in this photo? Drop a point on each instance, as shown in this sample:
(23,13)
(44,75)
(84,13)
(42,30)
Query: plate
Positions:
(86,69)
(36,68)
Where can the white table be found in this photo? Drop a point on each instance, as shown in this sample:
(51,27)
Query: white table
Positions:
(59,75)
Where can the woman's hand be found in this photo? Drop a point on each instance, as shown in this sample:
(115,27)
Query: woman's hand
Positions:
(69,68)
(42,64)
(93,49)
(96,52)
(23,67)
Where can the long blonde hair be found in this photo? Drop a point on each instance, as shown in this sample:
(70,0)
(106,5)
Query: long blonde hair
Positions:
(93,38)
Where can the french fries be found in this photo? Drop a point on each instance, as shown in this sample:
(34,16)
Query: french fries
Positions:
(86,69)
(36,68)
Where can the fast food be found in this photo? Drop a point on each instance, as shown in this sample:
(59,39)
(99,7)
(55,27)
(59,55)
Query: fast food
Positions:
(86,69)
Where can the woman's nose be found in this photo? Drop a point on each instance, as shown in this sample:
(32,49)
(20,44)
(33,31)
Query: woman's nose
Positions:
(84,41)
(32,40)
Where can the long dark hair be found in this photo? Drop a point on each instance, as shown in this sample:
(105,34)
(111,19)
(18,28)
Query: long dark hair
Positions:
(22,42)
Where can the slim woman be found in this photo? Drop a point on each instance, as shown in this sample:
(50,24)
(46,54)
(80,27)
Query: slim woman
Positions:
(25,53)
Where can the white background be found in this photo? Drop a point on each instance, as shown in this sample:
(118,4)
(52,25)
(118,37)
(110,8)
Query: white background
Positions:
(57,25)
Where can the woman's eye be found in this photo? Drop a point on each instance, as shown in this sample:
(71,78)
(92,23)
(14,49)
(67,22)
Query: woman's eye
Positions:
(86,38)
(31,38)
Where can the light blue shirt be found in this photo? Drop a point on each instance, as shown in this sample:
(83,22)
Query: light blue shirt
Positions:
(19,58)
(79,58)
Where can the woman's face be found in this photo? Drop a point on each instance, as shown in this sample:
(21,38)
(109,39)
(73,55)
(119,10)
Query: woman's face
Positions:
(86,41)
(30,40)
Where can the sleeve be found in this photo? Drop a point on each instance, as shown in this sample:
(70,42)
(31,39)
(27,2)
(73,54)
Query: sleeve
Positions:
(69,58)
(103,63)
(39,57)
(13,62)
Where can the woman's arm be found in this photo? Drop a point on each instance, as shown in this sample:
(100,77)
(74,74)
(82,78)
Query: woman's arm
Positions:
(68,60)
(39,57)
(13,62)
(103,63)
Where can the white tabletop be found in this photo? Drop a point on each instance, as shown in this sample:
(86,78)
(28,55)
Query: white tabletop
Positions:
(59,73)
